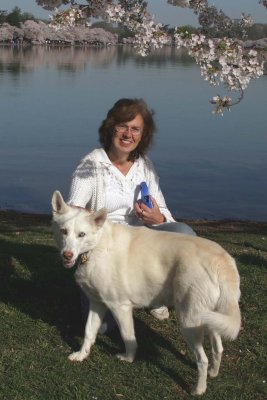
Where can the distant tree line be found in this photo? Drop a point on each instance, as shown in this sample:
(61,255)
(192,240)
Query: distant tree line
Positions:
(17,28)
(15,17)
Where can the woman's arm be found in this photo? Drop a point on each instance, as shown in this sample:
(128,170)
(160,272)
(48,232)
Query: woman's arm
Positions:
(81,188)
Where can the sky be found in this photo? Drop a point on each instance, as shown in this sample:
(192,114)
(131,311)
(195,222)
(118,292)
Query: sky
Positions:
(165,13)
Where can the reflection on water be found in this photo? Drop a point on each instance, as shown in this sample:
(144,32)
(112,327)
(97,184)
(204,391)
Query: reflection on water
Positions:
(54,99)
(19,60)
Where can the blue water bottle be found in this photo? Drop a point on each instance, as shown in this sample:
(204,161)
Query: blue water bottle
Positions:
(145,196)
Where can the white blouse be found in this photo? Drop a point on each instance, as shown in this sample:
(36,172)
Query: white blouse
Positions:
(97,173)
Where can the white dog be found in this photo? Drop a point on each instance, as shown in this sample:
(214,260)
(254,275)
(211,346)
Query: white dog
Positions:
(121,267)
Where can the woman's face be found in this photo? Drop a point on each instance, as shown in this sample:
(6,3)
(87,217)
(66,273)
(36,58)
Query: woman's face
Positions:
(128,135)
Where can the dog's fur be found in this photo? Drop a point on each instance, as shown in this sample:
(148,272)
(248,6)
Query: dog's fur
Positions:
(132,267)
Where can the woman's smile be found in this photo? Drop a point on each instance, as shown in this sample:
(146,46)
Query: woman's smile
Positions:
(126,141)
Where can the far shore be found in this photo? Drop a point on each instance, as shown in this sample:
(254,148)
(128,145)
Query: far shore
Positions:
(259,44)
(200,225)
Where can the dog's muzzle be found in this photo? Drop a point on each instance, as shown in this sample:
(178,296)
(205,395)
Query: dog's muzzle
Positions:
(68,257)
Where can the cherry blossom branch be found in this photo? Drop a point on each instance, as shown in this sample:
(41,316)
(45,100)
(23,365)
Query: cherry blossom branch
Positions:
(216,49)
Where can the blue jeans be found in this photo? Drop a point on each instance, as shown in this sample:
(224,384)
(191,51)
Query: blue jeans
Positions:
(178,227)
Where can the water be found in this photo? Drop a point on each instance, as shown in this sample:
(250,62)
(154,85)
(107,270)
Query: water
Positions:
(53,100)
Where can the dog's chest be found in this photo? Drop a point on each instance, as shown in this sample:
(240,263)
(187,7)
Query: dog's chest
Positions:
(90,279)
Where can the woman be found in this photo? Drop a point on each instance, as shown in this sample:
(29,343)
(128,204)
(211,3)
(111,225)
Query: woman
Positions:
(110,177)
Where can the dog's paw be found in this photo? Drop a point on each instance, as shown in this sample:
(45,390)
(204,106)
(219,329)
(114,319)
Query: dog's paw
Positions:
(125,357)
(198,391)
(77,356)
(213,372)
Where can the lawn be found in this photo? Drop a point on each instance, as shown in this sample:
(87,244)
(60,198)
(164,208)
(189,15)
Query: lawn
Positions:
(40,324)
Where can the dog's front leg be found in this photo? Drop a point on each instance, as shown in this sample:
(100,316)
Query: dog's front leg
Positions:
(124,318)
(95,317)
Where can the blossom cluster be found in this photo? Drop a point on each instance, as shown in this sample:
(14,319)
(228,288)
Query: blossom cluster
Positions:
(66,19)
(214,20)
(221,103)
(221,59)
(148,35)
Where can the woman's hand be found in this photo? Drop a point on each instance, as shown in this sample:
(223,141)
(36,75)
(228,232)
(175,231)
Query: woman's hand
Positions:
(148,215)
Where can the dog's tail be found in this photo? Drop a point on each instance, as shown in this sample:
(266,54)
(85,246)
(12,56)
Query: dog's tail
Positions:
(227,326)
(226,317)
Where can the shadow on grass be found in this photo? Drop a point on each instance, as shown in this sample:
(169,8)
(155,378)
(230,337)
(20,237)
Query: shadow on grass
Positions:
(253,260)
(149,341)
(151,344)
(34,282)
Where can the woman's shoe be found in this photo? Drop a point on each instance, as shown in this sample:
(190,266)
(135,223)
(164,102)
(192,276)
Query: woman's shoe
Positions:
(160,313)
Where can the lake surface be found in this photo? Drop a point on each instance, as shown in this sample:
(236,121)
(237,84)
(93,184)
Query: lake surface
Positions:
(53,101)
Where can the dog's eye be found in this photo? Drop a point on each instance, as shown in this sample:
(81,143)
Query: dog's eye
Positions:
(81,234)
(63,231)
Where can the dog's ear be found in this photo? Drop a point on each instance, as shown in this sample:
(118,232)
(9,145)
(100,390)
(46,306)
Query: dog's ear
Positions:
(58,204)
(99,217)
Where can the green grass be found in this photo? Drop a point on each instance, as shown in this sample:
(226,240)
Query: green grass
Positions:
(40,324)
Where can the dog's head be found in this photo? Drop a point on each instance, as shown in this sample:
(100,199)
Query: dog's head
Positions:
(76,230)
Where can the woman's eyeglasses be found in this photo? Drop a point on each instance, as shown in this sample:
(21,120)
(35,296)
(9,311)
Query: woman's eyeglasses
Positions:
(134,130)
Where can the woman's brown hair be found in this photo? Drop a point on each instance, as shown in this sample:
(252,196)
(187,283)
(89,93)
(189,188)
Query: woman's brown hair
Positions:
(125,110)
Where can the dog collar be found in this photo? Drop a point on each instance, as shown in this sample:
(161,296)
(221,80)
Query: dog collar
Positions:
(82,259)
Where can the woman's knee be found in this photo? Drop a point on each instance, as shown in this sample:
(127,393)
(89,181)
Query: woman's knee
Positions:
(184,228)
(179,227)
